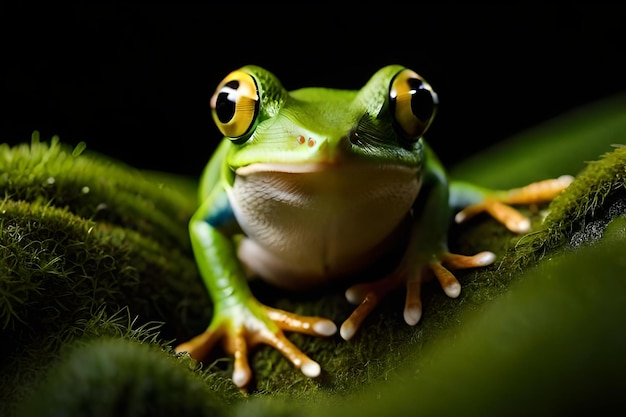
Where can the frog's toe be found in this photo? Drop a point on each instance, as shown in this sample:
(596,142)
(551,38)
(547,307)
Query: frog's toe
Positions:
(238,347)
(456,261)
(314,326)
(367,295)
(413,303)
(242,374)
(200,346)
(449,283)
(366,303)
(290,351)
(351,325)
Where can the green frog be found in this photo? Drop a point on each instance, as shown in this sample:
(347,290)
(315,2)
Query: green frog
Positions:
(315,185)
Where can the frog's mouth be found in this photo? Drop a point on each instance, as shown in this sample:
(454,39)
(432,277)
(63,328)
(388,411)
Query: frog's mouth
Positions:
(319,167)
(284,168)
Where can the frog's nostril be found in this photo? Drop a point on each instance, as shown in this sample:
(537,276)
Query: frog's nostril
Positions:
(310,142)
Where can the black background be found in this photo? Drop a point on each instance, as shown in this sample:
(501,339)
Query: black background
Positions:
(133,80)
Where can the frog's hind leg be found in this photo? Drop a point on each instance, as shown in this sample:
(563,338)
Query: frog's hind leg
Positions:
(498,203)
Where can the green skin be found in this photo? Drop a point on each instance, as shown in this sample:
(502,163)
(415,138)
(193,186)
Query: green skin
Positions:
(336,182)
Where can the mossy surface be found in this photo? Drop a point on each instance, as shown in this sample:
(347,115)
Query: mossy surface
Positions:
(97,279)
(73,245)
(581,213)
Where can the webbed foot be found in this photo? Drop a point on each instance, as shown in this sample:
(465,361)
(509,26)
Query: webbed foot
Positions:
(241,328)
(368,295)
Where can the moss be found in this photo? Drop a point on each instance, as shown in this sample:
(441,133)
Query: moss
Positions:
(61,260)
(93,187)
(581,213)
(121,377)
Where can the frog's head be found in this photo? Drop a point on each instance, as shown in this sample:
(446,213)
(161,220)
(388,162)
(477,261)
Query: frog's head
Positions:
(313,128)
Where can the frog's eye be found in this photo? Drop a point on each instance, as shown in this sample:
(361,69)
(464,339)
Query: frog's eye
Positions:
(413,104)
(235,104)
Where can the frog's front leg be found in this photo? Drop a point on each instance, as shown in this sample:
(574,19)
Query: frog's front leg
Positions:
(239,321)
(426,255)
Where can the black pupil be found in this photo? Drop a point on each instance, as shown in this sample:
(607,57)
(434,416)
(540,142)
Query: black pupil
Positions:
(421,101)
(224,106)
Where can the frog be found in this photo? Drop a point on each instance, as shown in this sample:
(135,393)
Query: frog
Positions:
(311,188)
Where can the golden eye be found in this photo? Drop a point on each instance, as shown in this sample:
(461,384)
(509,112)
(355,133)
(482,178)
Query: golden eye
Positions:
(413,103)
(235,104)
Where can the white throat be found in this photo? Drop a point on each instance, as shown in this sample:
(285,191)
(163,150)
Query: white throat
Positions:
(309,224)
